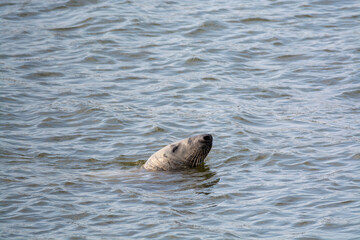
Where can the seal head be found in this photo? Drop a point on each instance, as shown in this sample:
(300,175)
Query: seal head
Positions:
(187,153)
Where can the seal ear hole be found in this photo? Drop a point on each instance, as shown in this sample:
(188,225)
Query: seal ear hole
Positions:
(175,148)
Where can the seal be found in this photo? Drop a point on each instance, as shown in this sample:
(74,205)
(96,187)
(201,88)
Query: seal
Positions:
(187,153)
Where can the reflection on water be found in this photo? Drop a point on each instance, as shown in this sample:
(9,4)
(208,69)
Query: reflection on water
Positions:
(199,180)
(90,89)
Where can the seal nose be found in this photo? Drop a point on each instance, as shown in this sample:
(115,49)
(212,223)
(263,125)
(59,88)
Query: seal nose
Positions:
(207,138)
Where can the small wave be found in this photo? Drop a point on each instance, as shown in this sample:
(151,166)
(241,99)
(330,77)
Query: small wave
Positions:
(304,16)
(292,57)
(69,28)
(80,3)
(63,138)
(206,27)
(255,20)
(78,25)
(194,61)
(44,75)
(352,94)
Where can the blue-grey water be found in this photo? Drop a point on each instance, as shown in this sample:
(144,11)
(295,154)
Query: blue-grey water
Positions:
(90,89)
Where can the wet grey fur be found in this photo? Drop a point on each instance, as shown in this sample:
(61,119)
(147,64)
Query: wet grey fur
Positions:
(187,153)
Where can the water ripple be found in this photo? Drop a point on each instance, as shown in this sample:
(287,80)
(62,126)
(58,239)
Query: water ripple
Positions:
(90,89)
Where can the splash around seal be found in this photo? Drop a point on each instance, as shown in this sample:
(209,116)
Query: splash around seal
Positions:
(187,153)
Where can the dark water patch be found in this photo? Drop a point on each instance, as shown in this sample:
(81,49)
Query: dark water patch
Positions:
(350,94)
(71,28)
(194,61)
(38,75)
(129,164)
(356,16)
(156,130)
(305,16)
(79,3)
(295,57)
(256,20)
(210,79)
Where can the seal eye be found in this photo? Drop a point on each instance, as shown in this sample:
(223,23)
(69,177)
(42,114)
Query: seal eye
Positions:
(175,148)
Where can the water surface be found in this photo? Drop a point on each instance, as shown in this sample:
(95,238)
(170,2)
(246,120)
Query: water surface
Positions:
(90,89)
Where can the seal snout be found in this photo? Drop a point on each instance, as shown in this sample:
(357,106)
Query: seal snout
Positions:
(207,138)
